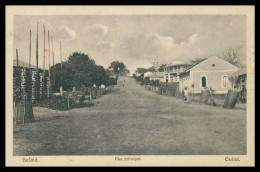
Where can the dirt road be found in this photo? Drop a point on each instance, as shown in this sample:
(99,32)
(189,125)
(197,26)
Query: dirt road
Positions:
(134,121)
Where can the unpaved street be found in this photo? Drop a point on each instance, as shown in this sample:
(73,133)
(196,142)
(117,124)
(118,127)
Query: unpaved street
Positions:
(134,121)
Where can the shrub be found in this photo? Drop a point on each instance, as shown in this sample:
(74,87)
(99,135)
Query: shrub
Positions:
(88,104)
(58,103)
(83,104)
(44,102)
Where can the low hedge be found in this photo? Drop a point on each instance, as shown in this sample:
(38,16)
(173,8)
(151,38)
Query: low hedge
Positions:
(58,103)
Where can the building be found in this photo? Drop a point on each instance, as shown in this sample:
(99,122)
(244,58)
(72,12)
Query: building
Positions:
(147,74)
(26,65)
(211,72)
(157,76)
(173,69)
(23,64)
(137,73)
(238,79)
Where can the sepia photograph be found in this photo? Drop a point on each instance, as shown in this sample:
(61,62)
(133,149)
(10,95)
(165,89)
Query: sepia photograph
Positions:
(120,85)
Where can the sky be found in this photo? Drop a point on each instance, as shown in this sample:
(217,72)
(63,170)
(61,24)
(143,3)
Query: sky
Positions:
(135,40)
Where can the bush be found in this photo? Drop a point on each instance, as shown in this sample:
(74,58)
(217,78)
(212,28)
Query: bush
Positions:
(84,104)
(45,102)
(58,103)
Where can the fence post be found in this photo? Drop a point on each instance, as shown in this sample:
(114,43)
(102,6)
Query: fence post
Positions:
(68,102)
(61,90)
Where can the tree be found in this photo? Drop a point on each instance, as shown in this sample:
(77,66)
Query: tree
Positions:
(80,71)
(118,68)
(100,77)
(84,69)
(197,60)
(126,72)
(161,68)
(146,81)
(63,76)
(151,69)
(231,55)
(141,70)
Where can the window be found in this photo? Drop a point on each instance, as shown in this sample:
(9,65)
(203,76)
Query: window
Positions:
(225,81)
(203,81)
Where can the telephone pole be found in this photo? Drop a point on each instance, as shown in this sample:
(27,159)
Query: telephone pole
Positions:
(43,48)
(53,62)
(61,89)
(17,63)
(37,50)
(37,70)
(30,50)
(49,54)
(60,55)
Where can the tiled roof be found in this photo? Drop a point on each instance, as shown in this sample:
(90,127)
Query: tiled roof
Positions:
(157,75)
(187,70)
(174,63)
(23,64)
(238,73)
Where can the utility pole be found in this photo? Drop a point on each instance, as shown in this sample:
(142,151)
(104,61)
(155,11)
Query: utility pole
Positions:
(43,79)
(30,50)
(37,50)
(44,49)
(17,63)
(53,61)
(49,53)
(37,70)
(61,89)
(60,55)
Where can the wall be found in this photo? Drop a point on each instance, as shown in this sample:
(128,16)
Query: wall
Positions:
(214,79)
(160,79)
(213,69)
(184,81)
(174,71)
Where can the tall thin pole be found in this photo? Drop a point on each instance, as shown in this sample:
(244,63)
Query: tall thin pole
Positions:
(37,70)
(53,61)
(61,90)
(44,48)
(52,51)
(37,50)
(60,55)
(30,50)
(49,53)
(17,63)
(43,79)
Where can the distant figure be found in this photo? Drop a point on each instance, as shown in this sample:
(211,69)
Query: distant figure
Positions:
(211,96)
(235,88)
(186,95)
(243,94)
